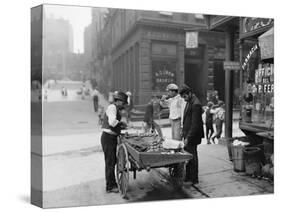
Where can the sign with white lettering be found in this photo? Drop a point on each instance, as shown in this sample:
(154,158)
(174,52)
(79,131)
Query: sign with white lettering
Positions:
(231,65)
(163,73)
(253,26)
(253,49)
(264,79)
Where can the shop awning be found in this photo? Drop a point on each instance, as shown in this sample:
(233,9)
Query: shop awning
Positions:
(266,43)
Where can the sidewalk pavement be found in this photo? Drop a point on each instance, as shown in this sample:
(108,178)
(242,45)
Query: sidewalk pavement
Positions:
(217,178)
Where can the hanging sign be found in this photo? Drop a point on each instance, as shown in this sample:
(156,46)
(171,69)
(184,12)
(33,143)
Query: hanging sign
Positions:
(231,65)
(252,26)
(253,49)
(191,39)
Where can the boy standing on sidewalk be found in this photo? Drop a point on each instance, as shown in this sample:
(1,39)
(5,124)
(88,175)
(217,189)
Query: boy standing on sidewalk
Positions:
(219,114)
(209,122)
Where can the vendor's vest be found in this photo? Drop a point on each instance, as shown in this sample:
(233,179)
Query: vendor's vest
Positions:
(117,128)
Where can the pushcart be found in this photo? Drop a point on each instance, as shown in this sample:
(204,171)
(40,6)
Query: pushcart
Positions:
(130,159)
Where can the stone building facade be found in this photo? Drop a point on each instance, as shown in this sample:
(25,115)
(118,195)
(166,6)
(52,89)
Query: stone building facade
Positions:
(148,52)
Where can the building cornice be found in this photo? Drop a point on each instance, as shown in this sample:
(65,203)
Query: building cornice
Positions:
(158,23)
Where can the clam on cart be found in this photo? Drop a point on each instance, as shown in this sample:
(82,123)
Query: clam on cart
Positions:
(144,152)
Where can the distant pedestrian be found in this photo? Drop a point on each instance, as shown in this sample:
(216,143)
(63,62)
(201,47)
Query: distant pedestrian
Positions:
(148,122)
(101,114)
(46,94)
(95,97)
(63,92)
(219,114)
(209,122)
(215,97)
(84,90)
(193,131)
(110,97)
(176,106)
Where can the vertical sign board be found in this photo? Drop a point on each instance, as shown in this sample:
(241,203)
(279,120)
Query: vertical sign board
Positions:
(191,39)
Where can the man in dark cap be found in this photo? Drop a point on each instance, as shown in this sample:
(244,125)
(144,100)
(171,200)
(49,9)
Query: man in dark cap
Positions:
(111,128)
(192,131)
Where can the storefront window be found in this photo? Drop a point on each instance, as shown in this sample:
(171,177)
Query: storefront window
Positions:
(258,97)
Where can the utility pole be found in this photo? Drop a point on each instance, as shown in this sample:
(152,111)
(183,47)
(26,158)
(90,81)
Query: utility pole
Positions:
(229,56)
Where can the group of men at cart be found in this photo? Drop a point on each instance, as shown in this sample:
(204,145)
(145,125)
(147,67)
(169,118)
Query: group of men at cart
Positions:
(185,114)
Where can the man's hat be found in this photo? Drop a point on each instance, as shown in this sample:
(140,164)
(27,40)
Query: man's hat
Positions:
(184,89)
(172,87)
(210,104)
(121,96)
(129,93)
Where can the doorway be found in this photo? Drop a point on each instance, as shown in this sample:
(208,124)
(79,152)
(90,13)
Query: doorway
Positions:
(219,78)
(194,78)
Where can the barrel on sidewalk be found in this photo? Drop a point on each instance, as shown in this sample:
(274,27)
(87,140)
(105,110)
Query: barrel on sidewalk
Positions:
(238,158)
(253,159)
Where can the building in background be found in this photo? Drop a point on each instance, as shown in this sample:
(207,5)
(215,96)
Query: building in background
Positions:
(144,51)
(57,44)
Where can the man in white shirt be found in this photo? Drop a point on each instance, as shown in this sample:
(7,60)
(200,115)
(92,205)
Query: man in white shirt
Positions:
(176,106)
(111,128)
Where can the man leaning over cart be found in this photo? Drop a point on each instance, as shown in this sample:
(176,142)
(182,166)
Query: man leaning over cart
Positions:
(111,128)
(192,131)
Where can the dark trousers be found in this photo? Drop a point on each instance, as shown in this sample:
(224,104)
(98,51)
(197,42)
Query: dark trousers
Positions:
(218,123)
(209,128)
(109,144)
(96,103)
(192,165)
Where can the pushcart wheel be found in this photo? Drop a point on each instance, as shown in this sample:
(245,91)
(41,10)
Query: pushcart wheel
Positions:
(122,170)
(177,174)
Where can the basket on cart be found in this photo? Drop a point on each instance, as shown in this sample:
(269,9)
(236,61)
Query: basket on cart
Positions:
(138,152)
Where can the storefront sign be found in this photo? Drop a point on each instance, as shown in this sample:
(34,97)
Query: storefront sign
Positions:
(191,39)
(253,49)
(163,73)
(252,26)
(264,81)
(231,65)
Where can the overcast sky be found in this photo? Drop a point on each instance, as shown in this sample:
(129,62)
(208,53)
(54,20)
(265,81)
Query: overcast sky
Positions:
(79,18)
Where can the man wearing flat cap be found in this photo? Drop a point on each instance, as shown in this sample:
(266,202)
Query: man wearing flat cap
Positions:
(111,128)
(176,106)
(192,131)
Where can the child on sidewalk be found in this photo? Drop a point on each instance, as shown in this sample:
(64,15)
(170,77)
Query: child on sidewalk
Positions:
(209,122)
(219,114)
